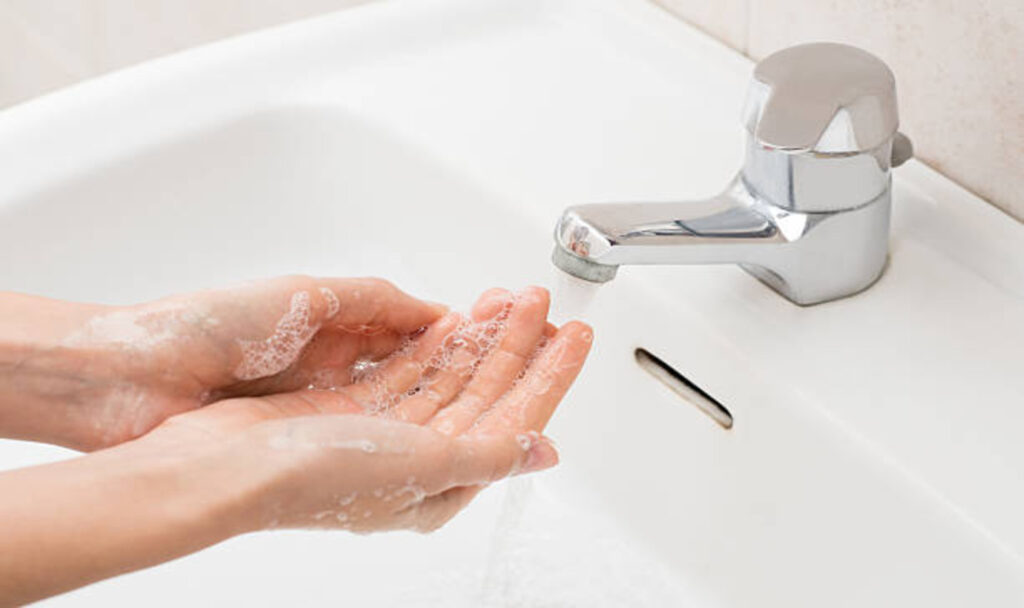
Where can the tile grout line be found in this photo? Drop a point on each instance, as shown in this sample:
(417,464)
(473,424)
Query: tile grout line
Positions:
(746,27)
(46,45)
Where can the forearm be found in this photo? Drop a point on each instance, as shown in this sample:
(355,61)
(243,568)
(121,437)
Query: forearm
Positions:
(72,523)
(42,383)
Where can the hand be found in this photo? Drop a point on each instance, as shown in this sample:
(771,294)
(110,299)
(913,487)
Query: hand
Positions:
(458,407)
(486,388)
(117,372)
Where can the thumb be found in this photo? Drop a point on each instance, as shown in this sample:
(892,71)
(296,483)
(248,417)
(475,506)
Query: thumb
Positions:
(376,304)
(481,459)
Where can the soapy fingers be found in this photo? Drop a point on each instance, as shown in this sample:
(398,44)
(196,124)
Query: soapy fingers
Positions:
(366,474)
(526,324)
(458,360)
(286,333)
(530,403)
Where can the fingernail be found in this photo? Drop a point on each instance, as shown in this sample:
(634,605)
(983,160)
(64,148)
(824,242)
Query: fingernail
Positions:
(541,455)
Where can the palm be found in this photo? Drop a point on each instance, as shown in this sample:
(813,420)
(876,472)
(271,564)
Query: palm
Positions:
(263,338)
(463,385)
(484,372)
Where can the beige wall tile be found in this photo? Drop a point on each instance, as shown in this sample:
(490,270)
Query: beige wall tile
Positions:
(70,28)
(723,19)
(958,67)
(960,75)
(29,64)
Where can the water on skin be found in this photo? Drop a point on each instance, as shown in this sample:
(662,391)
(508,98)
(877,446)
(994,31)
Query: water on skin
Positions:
(572,298)
(292,332)
(262,358)
(502,582)
(478,339)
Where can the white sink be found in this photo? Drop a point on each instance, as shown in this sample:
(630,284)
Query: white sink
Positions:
(875,458)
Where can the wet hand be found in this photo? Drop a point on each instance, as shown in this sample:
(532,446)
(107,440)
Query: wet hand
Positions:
(133,367)
(461,405)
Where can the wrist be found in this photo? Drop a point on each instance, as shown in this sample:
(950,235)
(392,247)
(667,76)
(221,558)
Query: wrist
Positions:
(214,487)
(28,319)
(194,496)
(46,395)
(70,523)
(38,375)
(52,387)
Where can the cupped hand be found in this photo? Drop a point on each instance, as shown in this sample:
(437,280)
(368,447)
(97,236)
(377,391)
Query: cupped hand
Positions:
(296,402)
(138,365)
(461,405)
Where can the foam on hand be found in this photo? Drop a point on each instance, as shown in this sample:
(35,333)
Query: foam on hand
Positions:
(333,303)
(131,329)
(461,351)
(274,354)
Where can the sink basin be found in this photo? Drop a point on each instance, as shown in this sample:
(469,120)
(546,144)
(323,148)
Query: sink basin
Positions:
(875,455)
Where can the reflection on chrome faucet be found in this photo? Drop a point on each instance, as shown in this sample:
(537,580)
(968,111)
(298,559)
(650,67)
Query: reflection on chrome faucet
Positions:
(808,214)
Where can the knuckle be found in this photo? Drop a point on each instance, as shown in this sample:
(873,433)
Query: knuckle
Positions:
(379,284)
(296,279)
(450,458)
(500,467)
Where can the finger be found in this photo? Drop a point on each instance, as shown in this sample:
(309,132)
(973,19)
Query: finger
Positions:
(440,387)
(335,350)
(371,305)
(526,322)
(490,303)
(483,459)
(325,363)
(448,379)
(530,404)
(402,372)
(234,415)
(434,512)
(441,463)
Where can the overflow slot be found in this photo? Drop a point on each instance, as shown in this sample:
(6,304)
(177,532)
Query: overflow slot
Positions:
(682,386)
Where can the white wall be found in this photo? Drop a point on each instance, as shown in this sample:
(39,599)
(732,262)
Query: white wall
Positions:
(959,63)
(46,44)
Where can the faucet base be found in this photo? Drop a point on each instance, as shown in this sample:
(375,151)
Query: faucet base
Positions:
(836,254)
(778,284)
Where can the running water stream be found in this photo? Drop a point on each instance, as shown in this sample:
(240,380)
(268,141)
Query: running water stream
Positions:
(571,298)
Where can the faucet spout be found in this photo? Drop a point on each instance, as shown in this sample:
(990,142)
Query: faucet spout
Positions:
(729,228)
(809,257)
(808,213)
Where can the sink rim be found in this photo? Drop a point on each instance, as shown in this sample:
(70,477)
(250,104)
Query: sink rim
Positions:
(990,249)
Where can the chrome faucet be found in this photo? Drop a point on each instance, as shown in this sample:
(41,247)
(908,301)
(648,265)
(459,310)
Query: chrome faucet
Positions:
(808,214)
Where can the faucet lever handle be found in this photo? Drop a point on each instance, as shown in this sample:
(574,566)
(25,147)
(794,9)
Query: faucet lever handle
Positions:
(822,97)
